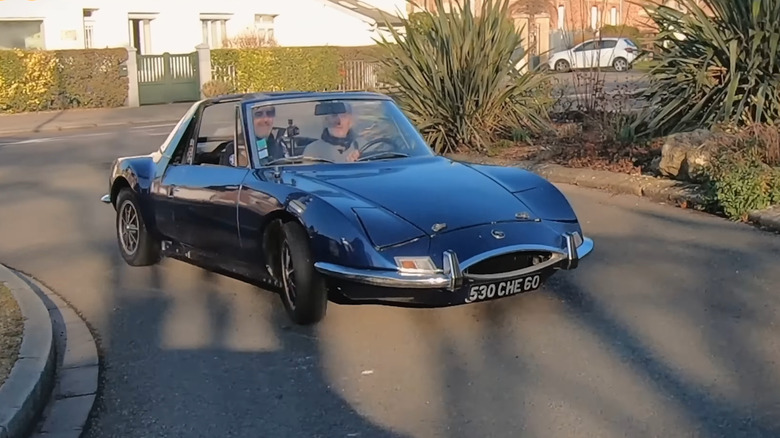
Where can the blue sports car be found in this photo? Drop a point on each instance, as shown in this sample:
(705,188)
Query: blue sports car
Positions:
(335,196)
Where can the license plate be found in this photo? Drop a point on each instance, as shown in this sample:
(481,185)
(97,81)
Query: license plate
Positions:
(481,292)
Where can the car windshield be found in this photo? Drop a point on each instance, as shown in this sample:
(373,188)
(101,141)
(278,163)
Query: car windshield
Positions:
(334,131)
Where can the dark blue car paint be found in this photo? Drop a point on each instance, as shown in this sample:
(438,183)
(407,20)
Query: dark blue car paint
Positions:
(359,215)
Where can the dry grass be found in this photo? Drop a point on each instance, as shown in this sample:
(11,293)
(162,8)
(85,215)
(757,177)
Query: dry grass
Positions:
(11,331)
(573,146)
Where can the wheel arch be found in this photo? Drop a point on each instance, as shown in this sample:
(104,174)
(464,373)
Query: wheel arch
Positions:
(271,238)
(330,232)
(119,183)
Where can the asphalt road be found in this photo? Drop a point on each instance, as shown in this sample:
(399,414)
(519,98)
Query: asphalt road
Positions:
(669,329)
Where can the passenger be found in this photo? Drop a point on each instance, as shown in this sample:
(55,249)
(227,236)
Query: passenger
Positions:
(337,142)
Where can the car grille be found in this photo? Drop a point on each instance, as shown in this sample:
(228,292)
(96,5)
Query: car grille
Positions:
(508,262)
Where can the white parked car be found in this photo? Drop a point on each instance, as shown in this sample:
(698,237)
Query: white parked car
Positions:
(618,53)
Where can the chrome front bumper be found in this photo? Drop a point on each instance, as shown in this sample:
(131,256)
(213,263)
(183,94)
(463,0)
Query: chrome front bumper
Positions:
(451,276)
(106,199)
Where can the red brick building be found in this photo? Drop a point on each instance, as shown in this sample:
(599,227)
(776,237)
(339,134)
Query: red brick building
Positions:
(576,15)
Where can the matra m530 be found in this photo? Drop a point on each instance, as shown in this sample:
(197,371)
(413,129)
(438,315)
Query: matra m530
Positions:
(337,197)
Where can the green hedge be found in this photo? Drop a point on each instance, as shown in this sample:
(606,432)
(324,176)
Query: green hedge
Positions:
(317,68)
(53,80)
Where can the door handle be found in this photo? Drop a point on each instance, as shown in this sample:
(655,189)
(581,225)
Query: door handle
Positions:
(172,190)
(231,187)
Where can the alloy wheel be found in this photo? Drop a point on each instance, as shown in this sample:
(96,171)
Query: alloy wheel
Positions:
(129,227)
(288,271)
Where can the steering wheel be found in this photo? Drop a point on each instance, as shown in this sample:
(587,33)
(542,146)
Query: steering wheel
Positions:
(388,140)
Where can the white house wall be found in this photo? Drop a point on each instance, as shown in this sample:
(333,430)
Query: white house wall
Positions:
(176,27)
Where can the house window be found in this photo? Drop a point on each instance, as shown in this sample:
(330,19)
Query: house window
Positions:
(89,26)
(561,15)
(21,34)
(594,17)
(613,16)
(214,32)
(264,27)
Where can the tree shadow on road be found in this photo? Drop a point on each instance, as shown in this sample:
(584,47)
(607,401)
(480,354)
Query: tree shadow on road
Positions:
(211,388)
(699,335)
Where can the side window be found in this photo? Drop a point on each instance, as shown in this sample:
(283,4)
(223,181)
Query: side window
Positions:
(181,145)
(591,45)
(214,136)
(608,44)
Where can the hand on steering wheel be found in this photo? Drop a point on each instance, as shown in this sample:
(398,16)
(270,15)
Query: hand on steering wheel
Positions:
(389,140)
(353,156)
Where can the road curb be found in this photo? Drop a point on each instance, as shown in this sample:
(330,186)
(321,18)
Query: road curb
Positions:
(677,193)
(91,125)
(26,391)
(75,386)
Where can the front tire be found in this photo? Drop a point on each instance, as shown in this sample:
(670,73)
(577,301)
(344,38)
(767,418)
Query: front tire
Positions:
(562,66)
(304,293)
(136,244)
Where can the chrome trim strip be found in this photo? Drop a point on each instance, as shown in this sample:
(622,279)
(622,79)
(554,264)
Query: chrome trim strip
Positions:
(106,199)
(386,278)
(555,259)
(452,270)
(508,249)
(571,246)
(451,276)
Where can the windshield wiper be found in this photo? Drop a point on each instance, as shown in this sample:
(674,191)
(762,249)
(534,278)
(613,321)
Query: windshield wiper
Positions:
(296,159)
(388,154)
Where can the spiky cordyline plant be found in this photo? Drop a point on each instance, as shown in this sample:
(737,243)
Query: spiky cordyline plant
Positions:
(457,79)
(721,68)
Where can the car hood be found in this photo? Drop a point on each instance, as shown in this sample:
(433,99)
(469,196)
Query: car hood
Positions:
(423,191)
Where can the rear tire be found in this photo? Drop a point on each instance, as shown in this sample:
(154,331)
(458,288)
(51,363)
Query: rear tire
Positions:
(304,293)
(136,244)
(620,64)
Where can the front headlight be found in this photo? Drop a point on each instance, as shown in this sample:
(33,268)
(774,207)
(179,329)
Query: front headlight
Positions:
(415,265)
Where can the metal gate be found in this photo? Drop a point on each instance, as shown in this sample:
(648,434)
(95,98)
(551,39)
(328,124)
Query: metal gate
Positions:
(168,78)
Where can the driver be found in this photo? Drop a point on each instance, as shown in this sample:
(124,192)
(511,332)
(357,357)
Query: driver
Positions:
(337,142)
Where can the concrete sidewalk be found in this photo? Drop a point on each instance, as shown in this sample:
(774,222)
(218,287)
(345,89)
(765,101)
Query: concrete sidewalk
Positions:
(50,121)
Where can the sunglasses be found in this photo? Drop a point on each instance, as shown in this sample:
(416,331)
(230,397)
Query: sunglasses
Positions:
(267,113)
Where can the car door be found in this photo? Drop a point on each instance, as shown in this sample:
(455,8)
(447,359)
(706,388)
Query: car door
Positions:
(203,191)
(175,148)
(606,52)
(586,55)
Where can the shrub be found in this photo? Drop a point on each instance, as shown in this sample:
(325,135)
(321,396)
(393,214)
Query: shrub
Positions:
(741,176)
(90,78)
(718,68)
(50,80)
(27,81)
(623,31)
(456,80)
(217,88)
(278,68)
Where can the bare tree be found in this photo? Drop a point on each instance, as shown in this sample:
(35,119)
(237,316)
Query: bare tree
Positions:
(249,39)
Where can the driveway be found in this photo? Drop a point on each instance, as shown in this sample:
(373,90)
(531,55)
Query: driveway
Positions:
(670,328)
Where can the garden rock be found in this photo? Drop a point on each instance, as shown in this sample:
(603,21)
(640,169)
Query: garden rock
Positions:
(697,159)
(684,155)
